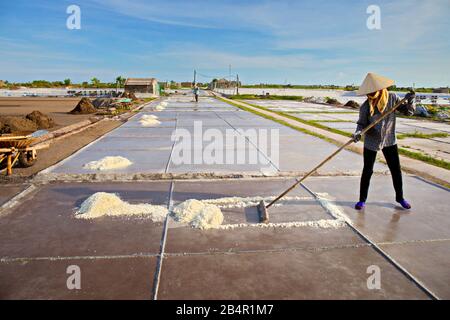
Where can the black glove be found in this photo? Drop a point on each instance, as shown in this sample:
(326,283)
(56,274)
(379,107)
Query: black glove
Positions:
(356,136)
(410,96)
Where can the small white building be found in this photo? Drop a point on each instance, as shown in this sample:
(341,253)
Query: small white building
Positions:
(142,87)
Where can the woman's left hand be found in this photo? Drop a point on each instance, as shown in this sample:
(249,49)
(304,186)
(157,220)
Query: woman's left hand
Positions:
(410,96)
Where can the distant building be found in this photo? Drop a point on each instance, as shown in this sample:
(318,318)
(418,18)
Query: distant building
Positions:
(2,83)
(142,87)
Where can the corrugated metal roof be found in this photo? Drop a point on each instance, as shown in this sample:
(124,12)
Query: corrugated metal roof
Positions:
(140,81)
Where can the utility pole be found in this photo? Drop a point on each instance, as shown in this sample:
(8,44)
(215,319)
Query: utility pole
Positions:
(237,84)
(195,75)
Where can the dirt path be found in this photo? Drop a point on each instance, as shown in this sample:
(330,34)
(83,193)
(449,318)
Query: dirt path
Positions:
(56,108)
(61,149)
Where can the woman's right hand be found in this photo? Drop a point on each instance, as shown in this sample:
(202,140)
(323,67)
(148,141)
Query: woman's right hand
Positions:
(356,136)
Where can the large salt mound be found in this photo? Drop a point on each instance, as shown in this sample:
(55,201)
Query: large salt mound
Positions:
(198,214)
(109,204)
(149,121)
(108,163)
(187,210)
(209,217)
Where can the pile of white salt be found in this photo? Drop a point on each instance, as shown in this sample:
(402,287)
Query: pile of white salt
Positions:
(149,120)
(198,214)
(108,163)
(102,204)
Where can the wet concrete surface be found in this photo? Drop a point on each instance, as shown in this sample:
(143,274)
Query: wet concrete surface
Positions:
(327,274)
(8,191)
(240,247)
(105,279)
(45,226)
(428,261)
(384,220)
(244,263)
(143,161)
(418,238)
(303,153)
(117,256)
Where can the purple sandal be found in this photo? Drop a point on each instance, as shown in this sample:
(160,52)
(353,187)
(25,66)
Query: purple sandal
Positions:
(404,204)
(360,205)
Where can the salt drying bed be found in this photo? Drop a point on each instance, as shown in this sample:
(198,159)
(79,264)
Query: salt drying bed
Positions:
(118,255)
(309,251)
(151,149)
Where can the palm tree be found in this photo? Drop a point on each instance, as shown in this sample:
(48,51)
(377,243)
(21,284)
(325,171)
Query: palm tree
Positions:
(95,82)
(120,80)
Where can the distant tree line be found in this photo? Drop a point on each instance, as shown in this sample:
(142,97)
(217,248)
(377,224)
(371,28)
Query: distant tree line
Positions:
(120,82)
(93,83)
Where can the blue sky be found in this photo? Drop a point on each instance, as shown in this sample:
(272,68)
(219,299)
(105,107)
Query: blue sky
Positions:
(269,41)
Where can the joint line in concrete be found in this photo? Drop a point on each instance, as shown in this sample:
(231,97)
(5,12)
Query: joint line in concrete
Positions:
(157,277)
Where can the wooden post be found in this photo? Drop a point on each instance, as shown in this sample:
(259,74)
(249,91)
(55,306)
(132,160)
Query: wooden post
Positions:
(9,164)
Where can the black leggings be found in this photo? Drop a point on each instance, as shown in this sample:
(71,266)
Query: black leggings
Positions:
(393,162)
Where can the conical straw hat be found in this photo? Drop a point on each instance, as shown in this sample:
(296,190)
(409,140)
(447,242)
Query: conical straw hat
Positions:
(374,82)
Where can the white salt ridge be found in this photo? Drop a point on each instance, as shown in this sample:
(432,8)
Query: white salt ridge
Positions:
(244,202)
(334,210)
(323,224)
(102,204)
(149,121)
(238,202)
(206,214)
(108,163)
(160,107)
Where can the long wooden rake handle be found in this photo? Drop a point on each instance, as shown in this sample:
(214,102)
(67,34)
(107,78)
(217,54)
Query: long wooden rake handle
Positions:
(370,126)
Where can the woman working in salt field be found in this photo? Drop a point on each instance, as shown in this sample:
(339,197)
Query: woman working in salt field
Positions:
(382,136)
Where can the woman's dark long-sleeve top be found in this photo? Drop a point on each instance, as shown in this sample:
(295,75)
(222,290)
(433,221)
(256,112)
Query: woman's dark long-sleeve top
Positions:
(383,134)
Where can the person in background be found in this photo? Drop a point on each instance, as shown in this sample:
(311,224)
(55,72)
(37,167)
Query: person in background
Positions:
(382,136)
(196,92)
